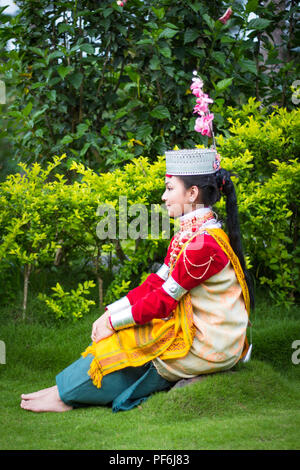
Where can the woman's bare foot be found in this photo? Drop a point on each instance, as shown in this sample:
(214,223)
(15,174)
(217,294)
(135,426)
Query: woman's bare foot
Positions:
(31,396)
(49,401)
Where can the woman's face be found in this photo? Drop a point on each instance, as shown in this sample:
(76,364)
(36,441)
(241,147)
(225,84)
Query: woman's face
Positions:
(179,200)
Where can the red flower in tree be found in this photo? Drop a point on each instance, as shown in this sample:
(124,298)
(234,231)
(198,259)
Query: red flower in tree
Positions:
(226,16)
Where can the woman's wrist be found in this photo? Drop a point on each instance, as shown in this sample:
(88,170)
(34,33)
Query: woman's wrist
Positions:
(122,319)
(109,324)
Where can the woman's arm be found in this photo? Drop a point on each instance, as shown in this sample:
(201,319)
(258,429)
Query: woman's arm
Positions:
(153,281)
(202,259)
(120,309)
(102,328)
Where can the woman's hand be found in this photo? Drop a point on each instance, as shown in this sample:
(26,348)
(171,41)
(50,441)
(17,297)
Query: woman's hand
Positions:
(101,328)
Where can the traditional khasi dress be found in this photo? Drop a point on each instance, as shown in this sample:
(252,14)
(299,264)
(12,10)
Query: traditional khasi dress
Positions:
(187,319)
(219,314)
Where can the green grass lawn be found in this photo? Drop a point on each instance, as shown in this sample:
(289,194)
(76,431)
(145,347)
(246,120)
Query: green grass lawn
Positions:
(254,406)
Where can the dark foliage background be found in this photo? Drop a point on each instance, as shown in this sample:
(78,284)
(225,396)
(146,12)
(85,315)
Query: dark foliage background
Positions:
(105,83)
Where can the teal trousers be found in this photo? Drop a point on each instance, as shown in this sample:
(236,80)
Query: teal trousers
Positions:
(123,389)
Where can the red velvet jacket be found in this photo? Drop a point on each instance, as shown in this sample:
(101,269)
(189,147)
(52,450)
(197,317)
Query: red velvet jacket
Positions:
(150,300)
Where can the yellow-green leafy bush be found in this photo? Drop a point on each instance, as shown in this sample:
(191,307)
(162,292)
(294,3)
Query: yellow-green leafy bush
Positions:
(42,216)
(262,151)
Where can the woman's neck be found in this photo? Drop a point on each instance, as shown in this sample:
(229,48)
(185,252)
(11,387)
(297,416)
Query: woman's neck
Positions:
(201,217)
(198,212)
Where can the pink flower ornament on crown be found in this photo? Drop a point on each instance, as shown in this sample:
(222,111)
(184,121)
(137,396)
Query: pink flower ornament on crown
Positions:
(204,123)
(197,161)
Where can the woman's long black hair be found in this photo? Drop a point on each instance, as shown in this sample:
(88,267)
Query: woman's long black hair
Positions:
(212,187)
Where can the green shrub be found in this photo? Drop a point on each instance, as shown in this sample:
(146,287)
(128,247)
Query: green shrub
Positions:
(69,304)
(262,151)
(43,215)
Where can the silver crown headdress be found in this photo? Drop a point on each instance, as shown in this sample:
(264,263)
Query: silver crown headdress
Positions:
(191,162)
(197,161)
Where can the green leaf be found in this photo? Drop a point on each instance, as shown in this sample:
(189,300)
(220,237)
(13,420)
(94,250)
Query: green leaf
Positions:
(63,27)
(152,25)
(37,85)
(258,24)
(159,12)
(227,39)
(27,109)
(120,113)
(37,51)
(76,79)
(219,56)
(2,10)
(15,114)
(85,148)
(88,48)
(39,133)
(81,129)
(53,81)
(190,35)
(54,55)
(67,139)
(251,6)
(145,41)
(168,33)
(248,65)
(160,112)
(75,48)
(196,51)
(166,52)
(40,112)
(51,95)
(63,71)
(144,131)
(209,21)
(133,104)
(171,25)
(133,75)
(107,12)
(223,84)
(154,63)
(196,7)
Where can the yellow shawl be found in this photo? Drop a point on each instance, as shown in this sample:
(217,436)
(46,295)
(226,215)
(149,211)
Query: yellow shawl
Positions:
(169,338)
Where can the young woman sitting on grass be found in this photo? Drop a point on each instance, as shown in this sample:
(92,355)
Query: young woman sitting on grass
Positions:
(187,319)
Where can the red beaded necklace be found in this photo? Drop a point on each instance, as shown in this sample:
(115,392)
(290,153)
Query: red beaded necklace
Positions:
(187,229)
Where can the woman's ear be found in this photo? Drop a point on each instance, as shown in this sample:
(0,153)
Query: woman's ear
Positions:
(194,194)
